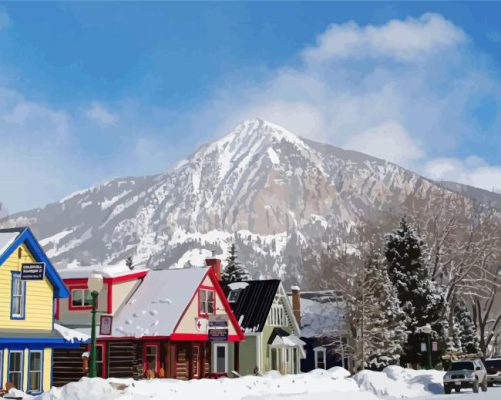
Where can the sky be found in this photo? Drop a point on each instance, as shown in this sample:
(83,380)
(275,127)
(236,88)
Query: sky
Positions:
(91,91)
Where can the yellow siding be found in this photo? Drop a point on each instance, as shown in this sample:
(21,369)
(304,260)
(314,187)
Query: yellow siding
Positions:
(47,369)
(39,297)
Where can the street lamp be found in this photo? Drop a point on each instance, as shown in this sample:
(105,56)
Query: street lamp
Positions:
(426,329)
(95,285)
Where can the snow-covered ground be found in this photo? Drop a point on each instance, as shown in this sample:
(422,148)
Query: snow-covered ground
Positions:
(392,383)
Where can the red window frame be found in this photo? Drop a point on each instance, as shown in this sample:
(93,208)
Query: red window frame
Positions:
(210,289)
(71,307)
(145,362)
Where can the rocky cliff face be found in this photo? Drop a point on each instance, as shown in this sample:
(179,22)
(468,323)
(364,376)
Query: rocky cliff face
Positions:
(272,192)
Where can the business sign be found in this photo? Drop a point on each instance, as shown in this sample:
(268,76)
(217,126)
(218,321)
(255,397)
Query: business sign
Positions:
(32,271)
(218,324)
(106,325)
(218,335)
(434,346)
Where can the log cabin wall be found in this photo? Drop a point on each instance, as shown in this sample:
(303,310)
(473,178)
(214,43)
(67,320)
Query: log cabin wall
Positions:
(182,361)
(123,360)
(67,365)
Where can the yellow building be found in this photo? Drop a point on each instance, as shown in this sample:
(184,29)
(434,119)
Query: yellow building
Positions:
(29,286)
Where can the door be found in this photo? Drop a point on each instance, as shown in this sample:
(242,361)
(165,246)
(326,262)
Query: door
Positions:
(196,368)
(220,365)
(274,359)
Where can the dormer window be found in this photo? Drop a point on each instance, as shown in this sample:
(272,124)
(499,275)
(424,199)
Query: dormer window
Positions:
(233,296)
(206,304)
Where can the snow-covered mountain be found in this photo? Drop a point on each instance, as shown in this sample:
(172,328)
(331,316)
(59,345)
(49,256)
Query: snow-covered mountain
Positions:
(272,192)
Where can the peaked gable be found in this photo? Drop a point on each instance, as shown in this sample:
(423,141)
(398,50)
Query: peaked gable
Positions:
(187,325)
(26,237)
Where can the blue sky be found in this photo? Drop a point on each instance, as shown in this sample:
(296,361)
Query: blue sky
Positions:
(91,91)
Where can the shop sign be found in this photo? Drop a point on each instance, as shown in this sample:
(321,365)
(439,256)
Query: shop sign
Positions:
(218,335)
(32,271)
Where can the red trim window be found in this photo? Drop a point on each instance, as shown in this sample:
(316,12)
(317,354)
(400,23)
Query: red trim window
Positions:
(80,298)
(206,301)
(151,357)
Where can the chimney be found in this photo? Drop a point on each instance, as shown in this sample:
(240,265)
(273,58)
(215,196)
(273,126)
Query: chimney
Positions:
(215,264)
(296,303)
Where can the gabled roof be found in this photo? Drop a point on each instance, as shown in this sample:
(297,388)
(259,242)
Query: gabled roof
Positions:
(11,239)
(253,303)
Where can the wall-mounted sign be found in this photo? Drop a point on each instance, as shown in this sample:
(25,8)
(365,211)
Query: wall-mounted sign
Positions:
(201,324)
(423,347)
(106,325)
(218,335)
(218,324)
(32,271)
(434,346)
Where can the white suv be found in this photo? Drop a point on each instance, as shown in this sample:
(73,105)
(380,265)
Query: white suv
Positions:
(493,367)
(465,374)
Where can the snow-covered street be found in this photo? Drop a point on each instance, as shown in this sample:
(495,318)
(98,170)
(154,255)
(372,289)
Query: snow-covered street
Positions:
(393,383)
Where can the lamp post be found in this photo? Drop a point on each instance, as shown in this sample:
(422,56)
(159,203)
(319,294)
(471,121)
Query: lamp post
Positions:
(426,329)
(95,285)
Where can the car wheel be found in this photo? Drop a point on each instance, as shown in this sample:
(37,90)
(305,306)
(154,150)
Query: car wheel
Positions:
(447,389)
(484,385)
(457,389)
(475,387)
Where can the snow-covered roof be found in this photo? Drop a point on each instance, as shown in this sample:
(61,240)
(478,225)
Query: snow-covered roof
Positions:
(321,318)
(6,239)
(108,271)
(71,335)
(159,302)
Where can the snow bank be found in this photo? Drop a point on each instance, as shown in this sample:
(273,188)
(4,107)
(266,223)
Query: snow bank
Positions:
(315,385)
(396,381)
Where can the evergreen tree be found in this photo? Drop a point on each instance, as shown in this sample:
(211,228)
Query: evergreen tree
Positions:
(234,271)
(419,297)
(386,326)
(467,331)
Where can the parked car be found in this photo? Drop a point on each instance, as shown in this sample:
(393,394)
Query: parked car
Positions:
(465,374)
(493,367)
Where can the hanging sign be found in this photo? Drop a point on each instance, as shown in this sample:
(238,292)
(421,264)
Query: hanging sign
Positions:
(106,324)
(32,271)
(434,346)
(423,346)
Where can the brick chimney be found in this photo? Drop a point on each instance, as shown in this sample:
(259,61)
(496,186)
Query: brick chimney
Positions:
(215,264)
(296,303)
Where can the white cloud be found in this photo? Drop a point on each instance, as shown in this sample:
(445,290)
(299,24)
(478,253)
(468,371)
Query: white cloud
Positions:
(473,171)
(402,40)
(98,113)
(389,141)
(4,18)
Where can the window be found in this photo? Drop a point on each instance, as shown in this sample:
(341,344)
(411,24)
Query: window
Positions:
(221,361)
(233,296)
(277,315)
(320,353)
(100,360)
(15,373)
(195,358)
(206,302)
(151,357)
(35,372)
(18,296)
(81,298)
